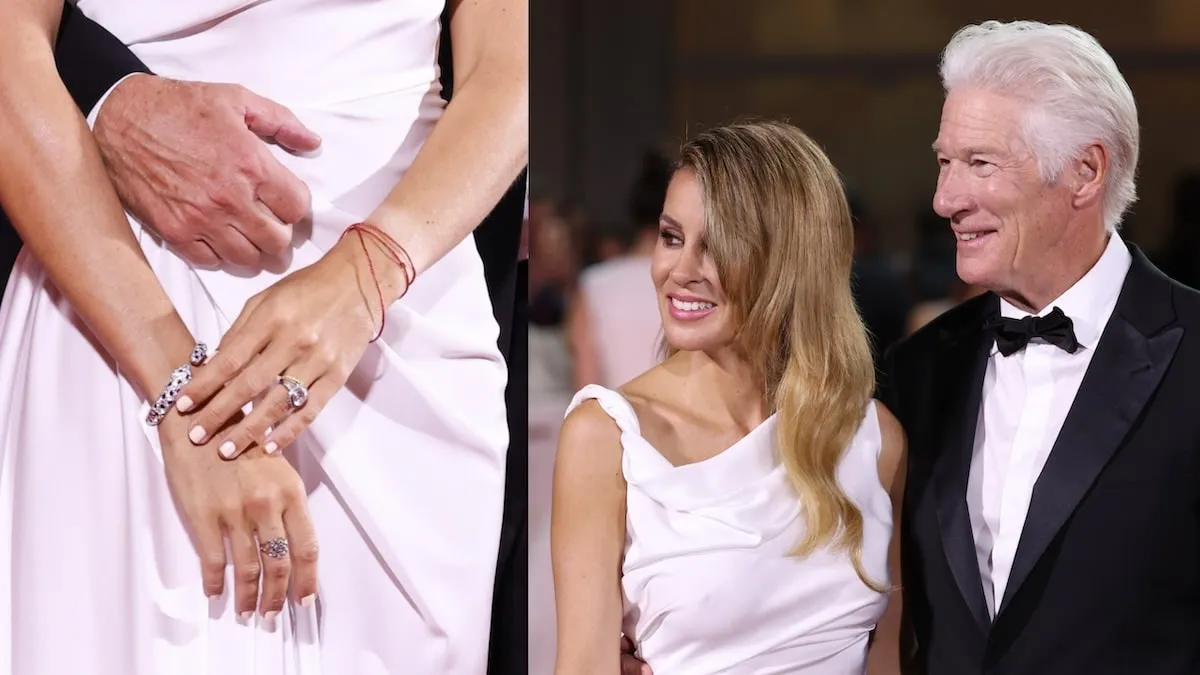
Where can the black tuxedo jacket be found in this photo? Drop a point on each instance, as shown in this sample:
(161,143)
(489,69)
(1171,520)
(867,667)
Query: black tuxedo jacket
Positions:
(91,60)
(1106,577)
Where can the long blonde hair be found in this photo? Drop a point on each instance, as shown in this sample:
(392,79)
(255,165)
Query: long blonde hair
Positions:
(779,230)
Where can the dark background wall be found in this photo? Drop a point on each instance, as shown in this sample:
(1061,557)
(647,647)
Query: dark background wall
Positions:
(613,76)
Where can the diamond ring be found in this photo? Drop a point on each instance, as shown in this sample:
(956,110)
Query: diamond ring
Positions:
(297,392)
(275,548)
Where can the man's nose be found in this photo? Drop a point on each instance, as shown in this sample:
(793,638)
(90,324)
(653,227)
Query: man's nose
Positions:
(951,196)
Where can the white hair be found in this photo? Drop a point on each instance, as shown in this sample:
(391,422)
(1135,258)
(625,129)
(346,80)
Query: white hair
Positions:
(1075,93)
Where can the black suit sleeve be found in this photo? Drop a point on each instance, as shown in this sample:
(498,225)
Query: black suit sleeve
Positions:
(90,59)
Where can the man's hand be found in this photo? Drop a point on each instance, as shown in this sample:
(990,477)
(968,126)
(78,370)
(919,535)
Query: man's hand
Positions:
(630,664)
(188,159)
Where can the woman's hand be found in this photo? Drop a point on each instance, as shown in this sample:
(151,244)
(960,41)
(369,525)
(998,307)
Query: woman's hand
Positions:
(249,502)
(312,326)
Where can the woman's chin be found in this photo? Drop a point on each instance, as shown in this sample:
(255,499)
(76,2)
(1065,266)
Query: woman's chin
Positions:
(692,340)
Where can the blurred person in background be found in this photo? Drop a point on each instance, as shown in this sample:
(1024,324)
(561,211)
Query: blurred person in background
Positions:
(613,324)
(731,509)
(553,265)
(553,269)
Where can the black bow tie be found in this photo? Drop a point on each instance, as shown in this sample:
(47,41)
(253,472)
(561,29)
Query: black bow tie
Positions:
(1013,334)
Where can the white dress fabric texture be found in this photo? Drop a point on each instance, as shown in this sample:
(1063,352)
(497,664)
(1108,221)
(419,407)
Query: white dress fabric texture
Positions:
(404,468)
(708,582)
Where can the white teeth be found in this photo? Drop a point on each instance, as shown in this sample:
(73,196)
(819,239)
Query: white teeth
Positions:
(967,236)
(691,306)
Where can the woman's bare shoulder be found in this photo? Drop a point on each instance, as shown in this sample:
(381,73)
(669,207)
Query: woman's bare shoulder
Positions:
(893,455)
(651,393)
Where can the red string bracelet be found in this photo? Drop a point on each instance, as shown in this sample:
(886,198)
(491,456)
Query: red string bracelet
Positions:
(394,252)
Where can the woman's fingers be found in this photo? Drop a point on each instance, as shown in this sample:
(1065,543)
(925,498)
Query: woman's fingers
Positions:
(245,339)
(210,545)
(273,410)
(274,552)
(287,431)
(302,538)
(246,565)
(259,376)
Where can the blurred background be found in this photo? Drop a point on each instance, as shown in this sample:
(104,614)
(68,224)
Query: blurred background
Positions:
(618,84)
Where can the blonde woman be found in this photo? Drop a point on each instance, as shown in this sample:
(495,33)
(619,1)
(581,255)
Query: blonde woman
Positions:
(731,510)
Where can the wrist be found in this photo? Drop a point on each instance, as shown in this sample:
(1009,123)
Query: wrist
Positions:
(168,349)
(108,110)
(375,269)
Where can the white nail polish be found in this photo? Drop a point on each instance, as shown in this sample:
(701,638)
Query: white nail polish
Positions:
(246,616)
(308,600)
(270,616)
(184,404)
(197,434)
(272,447)
(227,449)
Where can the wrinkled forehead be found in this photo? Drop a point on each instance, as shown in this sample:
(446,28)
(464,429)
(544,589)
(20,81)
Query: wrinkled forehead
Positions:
(976,121)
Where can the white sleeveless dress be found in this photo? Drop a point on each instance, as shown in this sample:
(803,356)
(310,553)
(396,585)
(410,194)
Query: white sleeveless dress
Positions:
(708,584)
(405,467)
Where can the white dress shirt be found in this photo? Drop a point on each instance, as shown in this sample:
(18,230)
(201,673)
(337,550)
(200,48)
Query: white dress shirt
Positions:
(1025,399)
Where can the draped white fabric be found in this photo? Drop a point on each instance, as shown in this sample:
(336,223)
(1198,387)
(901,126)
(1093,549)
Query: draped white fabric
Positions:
(404,468)
(709,586)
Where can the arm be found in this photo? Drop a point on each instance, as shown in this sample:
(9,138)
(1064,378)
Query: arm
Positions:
(479,146)
(884,656)
(54,189)
(472,156)
(587,540)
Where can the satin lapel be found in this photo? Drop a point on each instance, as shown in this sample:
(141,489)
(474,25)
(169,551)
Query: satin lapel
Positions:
(1131,358)
(961,385)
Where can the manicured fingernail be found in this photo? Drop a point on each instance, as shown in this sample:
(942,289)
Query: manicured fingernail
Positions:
(184,404)
(270,616)
(227,449)
(197,434)
(246,616)
(308,600)
(272,447)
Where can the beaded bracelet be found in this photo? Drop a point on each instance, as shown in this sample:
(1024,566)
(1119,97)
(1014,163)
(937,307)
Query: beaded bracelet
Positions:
(181,376)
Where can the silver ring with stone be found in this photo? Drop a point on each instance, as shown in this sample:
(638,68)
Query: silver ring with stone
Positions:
(274,548)
(297,392)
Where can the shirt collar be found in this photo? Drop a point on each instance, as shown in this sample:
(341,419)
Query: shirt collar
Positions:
(1090,301)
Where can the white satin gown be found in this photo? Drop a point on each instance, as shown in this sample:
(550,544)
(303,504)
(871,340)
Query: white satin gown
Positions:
(709,587)
(404,468)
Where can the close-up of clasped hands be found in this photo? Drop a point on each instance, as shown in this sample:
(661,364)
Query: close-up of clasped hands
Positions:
(482,337)
(252,367)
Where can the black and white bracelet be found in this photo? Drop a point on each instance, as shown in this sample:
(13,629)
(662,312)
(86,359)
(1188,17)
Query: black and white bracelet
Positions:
(180,377)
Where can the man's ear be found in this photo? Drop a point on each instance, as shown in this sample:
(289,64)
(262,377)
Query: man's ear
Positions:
(1090,171)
